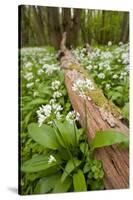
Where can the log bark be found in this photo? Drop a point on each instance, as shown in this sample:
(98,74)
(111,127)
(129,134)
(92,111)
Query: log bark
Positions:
(115,160)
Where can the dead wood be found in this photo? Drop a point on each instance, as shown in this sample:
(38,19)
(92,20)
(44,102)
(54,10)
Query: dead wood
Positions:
(115,160)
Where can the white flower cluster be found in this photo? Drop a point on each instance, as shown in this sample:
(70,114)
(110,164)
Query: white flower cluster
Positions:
(49,111)
(82,86)
(51,159)
(57,94)
(28,76)
(72,116)
(29,85)
(49,69)
(101,75)
(28,65)
(109,43)
(55,85)
(40,71)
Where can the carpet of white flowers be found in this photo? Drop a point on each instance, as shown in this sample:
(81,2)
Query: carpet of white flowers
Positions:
(43,96)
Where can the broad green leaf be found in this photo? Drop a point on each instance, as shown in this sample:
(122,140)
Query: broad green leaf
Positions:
(44,135)
(34,103)
(84,148)
(37,163)
(62,187)
(47,183)
(125,111)
(70,166)
(69,134)
(107,138)
(27,118)
(79,182)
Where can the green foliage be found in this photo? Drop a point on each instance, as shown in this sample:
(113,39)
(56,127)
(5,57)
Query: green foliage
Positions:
(79,182)
(38,163)
(125,111)
(70,166)
(43,135)
(107,138)
(55,153)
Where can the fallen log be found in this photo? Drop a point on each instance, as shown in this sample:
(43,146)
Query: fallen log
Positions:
(97,113)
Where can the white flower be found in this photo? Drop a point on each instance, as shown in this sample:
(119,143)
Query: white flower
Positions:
(41,119)
(40,71)
(47,109)
(29,85)
(58,116)
(120,43)
(52,101)
(35,94)
(89,67)
(28,65)
(37,80)
(55,85)
(29,76)
(72,116)
(115,76)
(108,86)
(51,159)
(82,86)
(101,75)
(57,107)
(49,69)
(95,66)
(109,43)
(57,94)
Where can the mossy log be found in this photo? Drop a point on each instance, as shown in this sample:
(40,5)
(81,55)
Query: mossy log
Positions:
(100,114)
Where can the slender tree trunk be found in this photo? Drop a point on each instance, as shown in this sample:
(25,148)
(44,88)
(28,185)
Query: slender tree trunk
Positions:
(37,26)
(125,27)
(103,27)
(76,26)
(67,24)
(54,26)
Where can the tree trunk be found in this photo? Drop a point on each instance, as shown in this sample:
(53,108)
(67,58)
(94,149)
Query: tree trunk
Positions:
(67,24)
(115,160)
(54,26)
(125,27)
(76,26)
(37,26)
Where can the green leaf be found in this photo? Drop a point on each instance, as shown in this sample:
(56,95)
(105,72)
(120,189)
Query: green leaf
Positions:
(37,163)
(67,134)
(44,135)
(107,138)
(79,182)
(70,166)
(84,148)
(34,103)
(47,183)
(62,187)
(125,111)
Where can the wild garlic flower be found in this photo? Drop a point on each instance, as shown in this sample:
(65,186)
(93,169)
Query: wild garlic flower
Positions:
(28,65)
(29,76)
(82,86)
(57,94)
(109,43)
(49,69)
(108,86)
(115,76)
(72,116)
(51,159)
(101,75)
(49,112)
(55,85)
(29,85)
(40,71)
(89,67)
